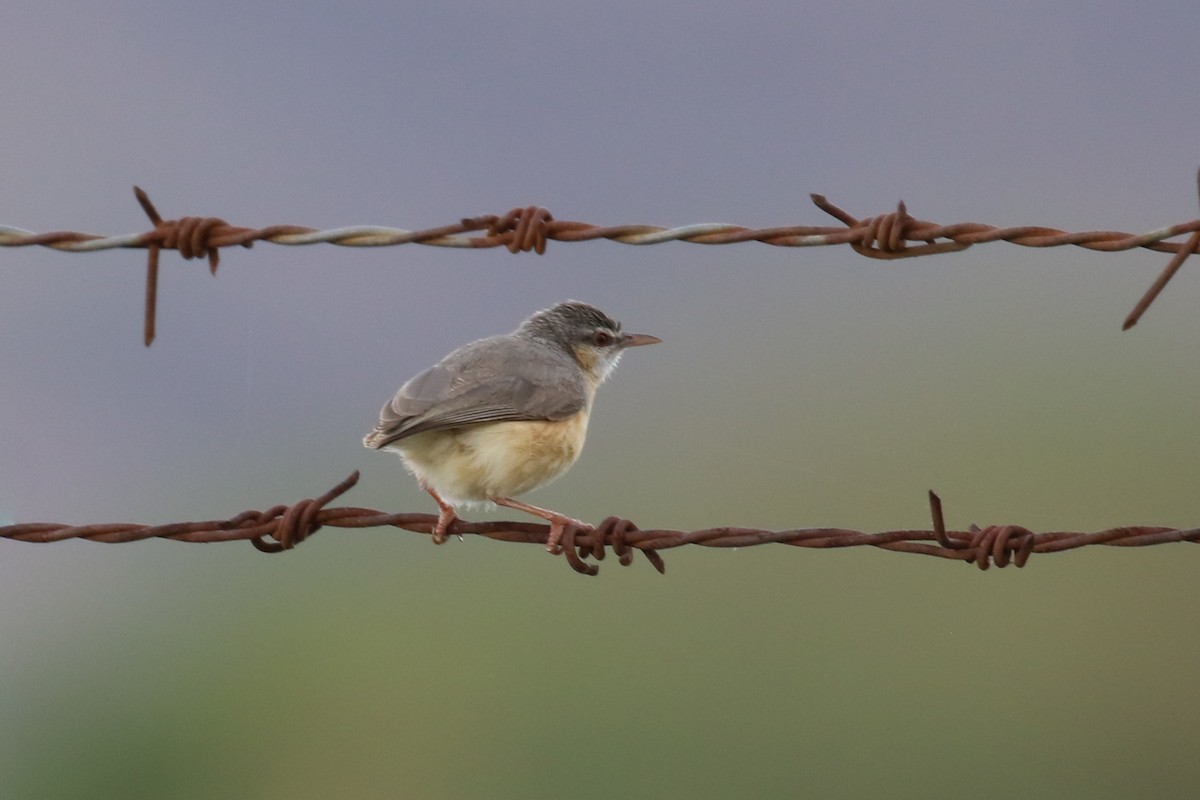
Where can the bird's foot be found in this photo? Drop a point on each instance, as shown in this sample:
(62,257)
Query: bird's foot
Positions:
(446,518)
(558,528)
(558,522)
(446,515)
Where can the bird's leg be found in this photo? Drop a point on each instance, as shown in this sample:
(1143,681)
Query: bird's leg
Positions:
(446,515)
(558,522)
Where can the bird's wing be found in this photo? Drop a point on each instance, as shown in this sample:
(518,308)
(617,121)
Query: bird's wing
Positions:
(475,385)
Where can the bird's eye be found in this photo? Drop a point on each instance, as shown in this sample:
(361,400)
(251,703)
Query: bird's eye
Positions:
(602,338)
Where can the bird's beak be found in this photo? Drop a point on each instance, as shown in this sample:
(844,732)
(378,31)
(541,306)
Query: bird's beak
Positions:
(638,339)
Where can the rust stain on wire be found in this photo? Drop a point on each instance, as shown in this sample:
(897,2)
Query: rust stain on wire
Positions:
(893,235)
(282,527)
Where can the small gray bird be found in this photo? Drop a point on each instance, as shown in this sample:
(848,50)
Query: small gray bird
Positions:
(504,415)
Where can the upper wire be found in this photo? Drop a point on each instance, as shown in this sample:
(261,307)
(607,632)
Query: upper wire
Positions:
(890,236)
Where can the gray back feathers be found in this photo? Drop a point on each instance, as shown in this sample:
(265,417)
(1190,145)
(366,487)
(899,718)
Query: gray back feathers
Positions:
(515,376)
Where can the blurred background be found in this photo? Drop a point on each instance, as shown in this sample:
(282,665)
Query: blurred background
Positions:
(794,387)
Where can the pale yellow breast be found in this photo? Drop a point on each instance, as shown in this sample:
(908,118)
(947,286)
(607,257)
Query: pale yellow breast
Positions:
(497,459)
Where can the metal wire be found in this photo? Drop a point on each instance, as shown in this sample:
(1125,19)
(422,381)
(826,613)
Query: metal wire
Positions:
(288,526)
(888,236)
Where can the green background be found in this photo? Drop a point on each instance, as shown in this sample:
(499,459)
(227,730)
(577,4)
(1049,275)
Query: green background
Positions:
(794,388)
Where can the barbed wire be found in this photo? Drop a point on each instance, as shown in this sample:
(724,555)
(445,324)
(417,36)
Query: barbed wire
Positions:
(888,236)
(289,525)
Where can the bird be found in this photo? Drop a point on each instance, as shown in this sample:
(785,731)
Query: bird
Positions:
(504,415)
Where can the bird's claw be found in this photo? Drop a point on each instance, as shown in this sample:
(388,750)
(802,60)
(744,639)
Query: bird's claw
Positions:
(441,530)
(558,528)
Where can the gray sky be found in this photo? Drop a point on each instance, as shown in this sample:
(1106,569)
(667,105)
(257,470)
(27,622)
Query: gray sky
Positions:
(794,387)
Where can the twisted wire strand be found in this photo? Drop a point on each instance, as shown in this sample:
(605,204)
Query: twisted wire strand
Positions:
(528,229)
(287,526)
(893,235)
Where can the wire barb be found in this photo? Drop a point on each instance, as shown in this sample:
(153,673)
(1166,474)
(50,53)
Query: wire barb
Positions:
(522,229)
(193,237)
(887,236)
(896,234)
(1160,283)
(1000,545)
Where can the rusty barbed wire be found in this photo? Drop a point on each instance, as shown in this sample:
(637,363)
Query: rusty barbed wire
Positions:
(894,235)
(289,525)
